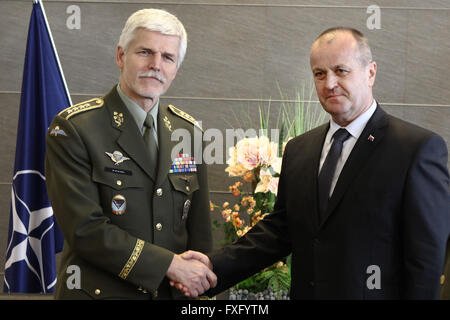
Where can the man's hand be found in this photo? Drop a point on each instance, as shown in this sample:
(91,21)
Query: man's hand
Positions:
(191,273)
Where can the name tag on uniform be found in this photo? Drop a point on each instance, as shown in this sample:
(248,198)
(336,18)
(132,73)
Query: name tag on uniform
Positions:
(119,171)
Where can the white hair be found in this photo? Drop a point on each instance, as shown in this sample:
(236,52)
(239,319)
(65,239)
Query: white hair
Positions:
(154,20)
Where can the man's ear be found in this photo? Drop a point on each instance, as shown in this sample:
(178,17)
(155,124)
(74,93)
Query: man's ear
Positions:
(372,72)
(120,56)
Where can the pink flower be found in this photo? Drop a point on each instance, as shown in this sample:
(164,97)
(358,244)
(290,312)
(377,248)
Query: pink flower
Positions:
(267,183)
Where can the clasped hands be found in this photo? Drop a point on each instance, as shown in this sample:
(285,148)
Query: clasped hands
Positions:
(191,273)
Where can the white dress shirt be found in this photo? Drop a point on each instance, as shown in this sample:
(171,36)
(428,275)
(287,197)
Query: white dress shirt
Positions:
(355,128)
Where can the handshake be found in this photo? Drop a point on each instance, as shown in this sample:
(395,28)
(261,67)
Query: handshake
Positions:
(191,273)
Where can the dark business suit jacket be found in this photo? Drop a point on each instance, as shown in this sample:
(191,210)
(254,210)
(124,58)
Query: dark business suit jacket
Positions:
(389,209)
(123,254)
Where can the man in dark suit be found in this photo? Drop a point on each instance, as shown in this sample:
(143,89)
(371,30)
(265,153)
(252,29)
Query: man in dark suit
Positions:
(126,206)
(363,201)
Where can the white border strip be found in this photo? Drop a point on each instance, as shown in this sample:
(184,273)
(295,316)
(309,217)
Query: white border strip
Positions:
(54,50)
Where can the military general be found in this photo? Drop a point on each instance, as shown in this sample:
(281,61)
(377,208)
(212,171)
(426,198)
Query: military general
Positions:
(129,206)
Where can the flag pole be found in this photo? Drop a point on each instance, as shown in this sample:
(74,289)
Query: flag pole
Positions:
(54,50)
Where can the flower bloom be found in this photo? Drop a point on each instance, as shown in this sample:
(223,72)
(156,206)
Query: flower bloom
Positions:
(249,154)
(267,182)
(248,177)
(226,213)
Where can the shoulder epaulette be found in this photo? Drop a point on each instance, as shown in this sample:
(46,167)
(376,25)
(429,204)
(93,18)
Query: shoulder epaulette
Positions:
(185,116)
(81,107)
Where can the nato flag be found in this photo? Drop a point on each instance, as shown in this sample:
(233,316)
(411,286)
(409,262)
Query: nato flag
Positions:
(34,237)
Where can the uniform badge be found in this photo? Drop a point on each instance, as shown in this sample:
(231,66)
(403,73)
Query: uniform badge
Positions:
(118,118)
(167,123)
(186,207)
(183,163)
(118,205)
(57,131)
(117,157)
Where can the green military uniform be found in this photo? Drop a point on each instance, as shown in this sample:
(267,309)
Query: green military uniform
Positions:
(122,222)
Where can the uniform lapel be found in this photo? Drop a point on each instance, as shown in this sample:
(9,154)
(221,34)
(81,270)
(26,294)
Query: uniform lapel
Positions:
(165,143)
(130,138)
(358,157)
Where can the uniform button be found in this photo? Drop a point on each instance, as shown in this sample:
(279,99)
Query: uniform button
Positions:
(187,188)
(119,182)
(155,294)
(159,226)
(97,292)
(442,279)
(159,192)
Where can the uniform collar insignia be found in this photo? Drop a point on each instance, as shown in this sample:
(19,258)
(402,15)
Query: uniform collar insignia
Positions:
(118,118)
(167,123)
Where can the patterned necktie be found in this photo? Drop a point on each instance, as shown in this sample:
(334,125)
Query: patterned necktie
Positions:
(327,173)
(150,141)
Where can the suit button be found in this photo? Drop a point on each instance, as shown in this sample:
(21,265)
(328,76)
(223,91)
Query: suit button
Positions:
(97,292)
(442,279)
(159,192)
(159,226)
(311,283)
(316,241)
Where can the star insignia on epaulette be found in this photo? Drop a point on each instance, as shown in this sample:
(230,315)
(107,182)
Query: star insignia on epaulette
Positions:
(185,116)
(81,107)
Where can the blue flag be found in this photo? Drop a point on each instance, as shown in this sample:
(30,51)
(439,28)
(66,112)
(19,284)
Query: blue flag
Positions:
(34,237)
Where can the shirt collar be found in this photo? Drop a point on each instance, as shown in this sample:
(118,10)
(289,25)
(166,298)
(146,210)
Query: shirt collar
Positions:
(356,127)
(137,112)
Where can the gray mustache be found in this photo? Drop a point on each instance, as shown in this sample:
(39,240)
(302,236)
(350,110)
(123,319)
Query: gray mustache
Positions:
(154,75)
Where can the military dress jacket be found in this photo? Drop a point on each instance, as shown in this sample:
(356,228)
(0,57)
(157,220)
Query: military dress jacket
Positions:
(122,218)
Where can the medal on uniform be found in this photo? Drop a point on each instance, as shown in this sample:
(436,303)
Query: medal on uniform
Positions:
(117,157)
(118,205)
(186,207)
(183,163)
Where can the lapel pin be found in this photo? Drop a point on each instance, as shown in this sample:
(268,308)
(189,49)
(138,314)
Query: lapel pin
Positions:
(118,205)
(371,138)
(117,157)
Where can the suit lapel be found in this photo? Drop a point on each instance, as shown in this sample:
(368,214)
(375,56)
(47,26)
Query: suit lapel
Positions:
(358,157)
(315,151)
(165,143)
(130,138)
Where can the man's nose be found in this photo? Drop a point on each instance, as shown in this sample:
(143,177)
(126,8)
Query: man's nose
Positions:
(331,82)
(155,62)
